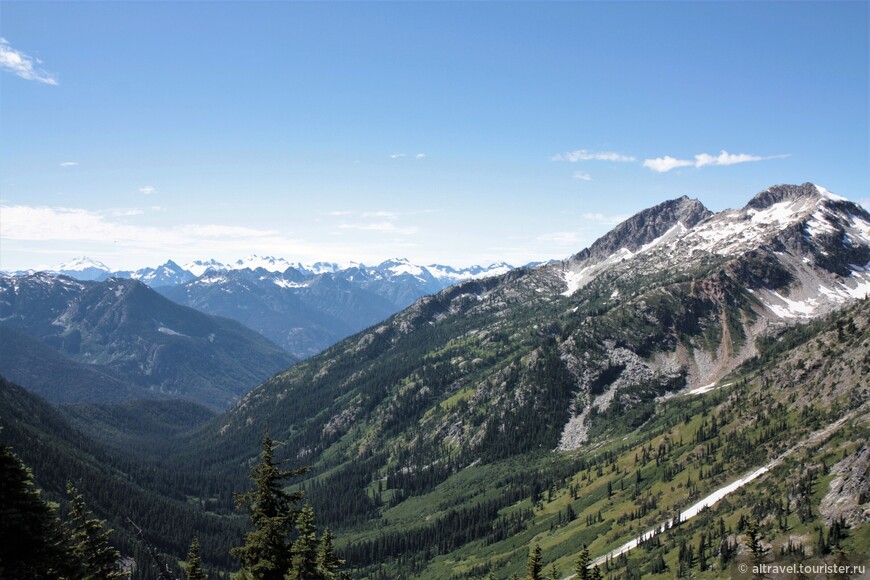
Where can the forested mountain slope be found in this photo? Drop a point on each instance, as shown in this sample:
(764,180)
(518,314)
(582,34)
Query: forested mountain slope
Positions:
(132,483)
(126,330)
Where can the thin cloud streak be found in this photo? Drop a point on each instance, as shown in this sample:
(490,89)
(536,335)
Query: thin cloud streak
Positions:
(605,219)
(42,223)
(386,227)
(560,238)
(23,65)
(586,155)
(666,163)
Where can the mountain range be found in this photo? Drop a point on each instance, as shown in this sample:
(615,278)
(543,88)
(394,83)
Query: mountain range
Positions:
(117,340)
(303,309)
(683,355)
(171,274)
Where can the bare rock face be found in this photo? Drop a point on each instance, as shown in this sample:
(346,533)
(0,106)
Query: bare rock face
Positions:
(780,193)
(646,226)
(849,497)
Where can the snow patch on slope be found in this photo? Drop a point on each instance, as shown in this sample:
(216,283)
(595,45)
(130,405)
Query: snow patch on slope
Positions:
(576,279)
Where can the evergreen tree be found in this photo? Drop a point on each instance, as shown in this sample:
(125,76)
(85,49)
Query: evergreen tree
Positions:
(595,574)
(753,541)
(89,541)
(554,574)
(822,548)
(194,563)
(581,567)
(31,542)
(327,562)
(304,549)
(535,566)
(266,553)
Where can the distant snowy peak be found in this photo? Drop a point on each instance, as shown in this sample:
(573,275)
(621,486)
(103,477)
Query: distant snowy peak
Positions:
(268,263)
(167,274)
(84,268)
(401,266)
(81,264)
(448,273)
(199,267)
(321,267)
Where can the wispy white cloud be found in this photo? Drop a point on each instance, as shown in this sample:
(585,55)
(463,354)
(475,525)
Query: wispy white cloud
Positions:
(23,65)
(586,155)
(666,163)
(725,158)
(147,190)
(59,224)
(387,222)
(124,212)
(221,231)
(400,155)
(68,164)
(386,227)
(604,219)
(581,176)
(380,214)
(109,234)
(560,238)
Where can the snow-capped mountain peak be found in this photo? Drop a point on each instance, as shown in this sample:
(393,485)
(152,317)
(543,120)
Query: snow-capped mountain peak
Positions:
(198,267)
(807,249)
(82,263)
(84,268)
(268,263)
(399,266)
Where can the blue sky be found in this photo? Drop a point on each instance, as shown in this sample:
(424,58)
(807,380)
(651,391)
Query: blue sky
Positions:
(456,133)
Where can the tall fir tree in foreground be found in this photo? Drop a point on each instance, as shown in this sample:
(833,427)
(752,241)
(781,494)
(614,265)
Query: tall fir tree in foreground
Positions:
(581,567)
(535,565)
(89,540)
(267,552)
(31,540)
(328,563)
(305,547)
(194,562)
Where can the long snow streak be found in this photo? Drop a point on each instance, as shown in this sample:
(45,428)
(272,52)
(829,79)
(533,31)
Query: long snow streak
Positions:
(720,493)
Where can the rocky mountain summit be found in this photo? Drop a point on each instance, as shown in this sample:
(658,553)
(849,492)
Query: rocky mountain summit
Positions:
(645,227)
